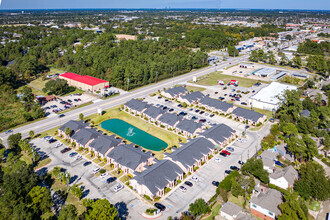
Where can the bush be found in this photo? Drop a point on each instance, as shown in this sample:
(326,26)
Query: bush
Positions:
(147,197)
(167,190)
(102,171)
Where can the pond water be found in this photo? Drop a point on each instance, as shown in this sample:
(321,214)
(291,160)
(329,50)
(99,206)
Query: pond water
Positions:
(134,134)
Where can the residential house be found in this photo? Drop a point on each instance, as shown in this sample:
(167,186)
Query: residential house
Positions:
(268,165)
(74,127)
(191,98)
(103,144)
(192,154)
(152,113)
(215,105)
(284,178)
(175,92)
(230,211)
(189,128)
(129,159)
(264,205)
(283,152)
(136,106)
(249,116)
(155,179)
(169,121)
(220,134)
(314,94)
(84,137)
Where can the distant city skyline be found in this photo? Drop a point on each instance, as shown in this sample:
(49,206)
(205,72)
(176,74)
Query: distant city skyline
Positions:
(161,4)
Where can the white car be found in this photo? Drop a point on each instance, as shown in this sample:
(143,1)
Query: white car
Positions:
(195,179)
(58,144)
(47,138)
(183,189)
(104,175)
(118,187)
(96,170)
(78,157)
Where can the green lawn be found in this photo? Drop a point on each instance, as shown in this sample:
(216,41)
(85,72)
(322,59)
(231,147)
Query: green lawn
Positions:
(43,163)
(313,205)
(170,138)
(212,80)
(195,89)
(39,83)
(236,200)
(215,212)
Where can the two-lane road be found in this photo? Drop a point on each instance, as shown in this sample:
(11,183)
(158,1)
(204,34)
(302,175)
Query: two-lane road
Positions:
(53,122)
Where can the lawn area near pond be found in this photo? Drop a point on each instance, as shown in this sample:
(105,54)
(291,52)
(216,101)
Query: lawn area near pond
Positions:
(212,80)
(115,113)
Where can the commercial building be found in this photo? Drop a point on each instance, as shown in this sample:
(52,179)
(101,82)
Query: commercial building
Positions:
(264,72)
(268,98)
(86,83)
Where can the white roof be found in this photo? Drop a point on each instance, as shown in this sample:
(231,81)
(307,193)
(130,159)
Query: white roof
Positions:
(271,93)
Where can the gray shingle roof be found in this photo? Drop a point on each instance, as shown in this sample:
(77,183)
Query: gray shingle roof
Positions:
(73,125)
(136,104)
(289,173)
(176,90)
(268,154)
(193,151)
(84,135)
(103,143)
(194,96)
(231,209)
(219,133)
(268,163)
(306,113)
(128,155)
(269,200)
(189,125)
(159,175)
(223,106)
(153,111)
(245,216)
(247,114)
(170,119)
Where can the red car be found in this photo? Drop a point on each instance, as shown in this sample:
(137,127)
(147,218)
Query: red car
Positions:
(226,152)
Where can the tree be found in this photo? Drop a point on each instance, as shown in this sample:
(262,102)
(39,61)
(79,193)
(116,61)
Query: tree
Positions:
(57,87)
(40,199)
(13,140)
(199,207)
(226,183)
(68,131)
(24,145)
(27,95)
(293,207)
(77,191)
(313,182)
(81,116)
(255,166)
(31,134)
(68,212)
(224,194)
(297,61)
(101,210)
(56,171)
(232,51)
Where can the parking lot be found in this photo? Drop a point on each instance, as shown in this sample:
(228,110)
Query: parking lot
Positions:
(67,102)
(95,186)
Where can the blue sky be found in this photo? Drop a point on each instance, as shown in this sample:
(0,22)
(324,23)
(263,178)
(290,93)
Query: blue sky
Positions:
(255,4)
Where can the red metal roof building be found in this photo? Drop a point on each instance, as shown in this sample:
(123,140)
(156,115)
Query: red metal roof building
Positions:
(87,83)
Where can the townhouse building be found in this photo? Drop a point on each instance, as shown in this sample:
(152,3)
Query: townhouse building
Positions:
(84,137)
(129,159)
(169,121)
(175,92)
(248,116)
(74,127)
(191,98)
(220,134)
(214,105)
(152,113)
(135,106)
(103,144)
(189,128)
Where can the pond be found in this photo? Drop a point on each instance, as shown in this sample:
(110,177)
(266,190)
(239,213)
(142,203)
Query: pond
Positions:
(133,134)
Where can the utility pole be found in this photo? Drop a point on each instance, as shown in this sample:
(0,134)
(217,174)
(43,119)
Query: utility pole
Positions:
(127,84)
(67,181)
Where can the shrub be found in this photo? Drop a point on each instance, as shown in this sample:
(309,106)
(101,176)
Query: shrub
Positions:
(131,187)
(167,190)
(196,168)
(147,197)
(102,171)
(178,181)
(162,126)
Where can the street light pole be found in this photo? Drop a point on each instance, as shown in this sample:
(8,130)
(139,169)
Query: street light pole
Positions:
(67,181)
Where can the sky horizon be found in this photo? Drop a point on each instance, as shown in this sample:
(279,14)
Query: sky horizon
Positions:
(161,4)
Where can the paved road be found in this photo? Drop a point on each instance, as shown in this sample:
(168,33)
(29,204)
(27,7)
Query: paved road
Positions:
(50,123)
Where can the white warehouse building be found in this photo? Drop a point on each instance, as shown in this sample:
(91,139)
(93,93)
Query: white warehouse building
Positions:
(268,98)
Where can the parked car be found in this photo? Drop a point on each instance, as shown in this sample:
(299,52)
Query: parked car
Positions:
(240,162)
(217,159)
(78,157)
(104,174)
(278,163)
(215,183)
(118,187)
(65,150)
(226,152)
(211,115)
(69,100)
(180,105)
(243,103)
(223,154)
(194,118)
(159,97)
(197,110)
(165,107)
(188,183)
(9,131)
(202,120)
(234,168)
(166,100)
(61,115)
(202,112)
(87,163)
(171,110)
(195,179)
(96,170)
(58,144)
(159,206)
(73,154)
(231,149)
(227,171)
(221,98)
(183,189)
(111,179)
(52,140)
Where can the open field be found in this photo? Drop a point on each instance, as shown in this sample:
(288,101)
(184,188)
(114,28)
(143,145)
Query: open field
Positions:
(195,88)
(38,83)
(170,138)
(212,80)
